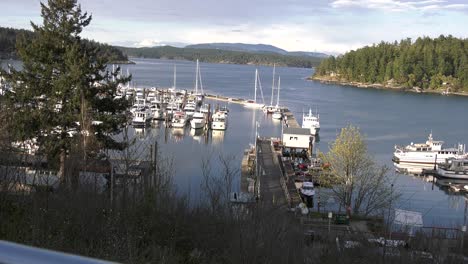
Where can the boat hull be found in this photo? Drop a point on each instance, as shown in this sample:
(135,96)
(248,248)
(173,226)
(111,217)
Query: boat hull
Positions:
(218,125)
(197,124)
(461,175)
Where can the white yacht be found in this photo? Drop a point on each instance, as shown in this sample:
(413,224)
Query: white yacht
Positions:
(179,120)
(219,121)
(427,154)
(311,122)
(190,109)
(158,113)
(224,110)
(198,120)
(171,108)
(454,169)
(142,116)
(204,109)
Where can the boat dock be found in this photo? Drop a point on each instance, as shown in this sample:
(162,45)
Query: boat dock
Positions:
(269,174)
(290,120)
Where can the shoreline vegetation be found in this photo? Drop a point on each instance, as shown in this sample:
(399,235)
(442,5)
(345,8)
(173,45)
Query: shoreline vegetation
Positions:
(399,88)
(10,36)
(426,65)
(221,56)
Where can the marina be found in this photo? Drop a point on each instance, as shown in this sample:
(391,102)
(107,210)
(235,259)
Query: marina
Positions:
(229,85)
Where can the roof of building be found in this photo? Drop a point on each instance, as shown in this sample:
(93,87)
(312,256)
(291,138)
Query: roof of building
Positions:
(296,131)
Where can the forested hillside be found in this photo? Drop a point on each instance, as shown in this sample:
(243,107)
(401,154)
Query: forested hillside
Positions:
(440,63)
(221,56)
(8,46)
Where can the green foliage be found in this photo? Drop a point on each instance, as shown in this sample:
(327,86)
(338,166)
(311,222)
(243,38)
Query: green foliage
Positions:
(221,56)
(9,36)
(426,63)
(64,86)
(360,183)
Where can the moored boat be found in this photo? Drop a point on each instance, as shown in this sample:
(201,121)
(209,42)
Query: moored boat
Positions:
(427,154)
(311,122)
(454,169)
(142,116)
(219,121)
(198,120)
(179,120)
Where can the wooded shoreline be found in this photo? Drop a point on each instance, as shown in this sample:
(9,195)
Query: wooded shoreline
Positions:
(400,88)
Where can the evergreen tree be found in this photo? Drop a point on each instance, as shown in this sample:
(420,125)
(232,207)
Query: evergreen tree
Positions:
(63,87)
(426,63)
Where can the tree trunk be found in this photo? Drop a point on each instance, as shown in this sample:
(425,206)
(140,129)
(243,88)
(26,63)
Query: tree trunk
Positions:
(61,173)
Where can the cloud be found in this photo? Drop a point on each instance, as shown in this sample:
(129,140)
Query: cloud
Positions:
(399,5)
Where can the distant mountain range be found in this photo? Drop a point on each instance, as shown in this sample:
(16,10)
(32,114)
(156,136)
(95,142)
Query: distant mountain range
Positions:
(256,48)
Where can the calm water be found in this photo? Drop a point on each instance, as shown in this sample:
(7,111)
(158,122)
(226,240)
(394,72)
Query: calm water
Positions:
(385,117)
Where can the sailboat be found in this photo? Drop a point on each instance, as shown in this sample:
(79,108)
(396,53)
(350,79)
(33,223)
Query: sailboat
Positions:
(198,94)
(270,109)
(253,103)
(277,114)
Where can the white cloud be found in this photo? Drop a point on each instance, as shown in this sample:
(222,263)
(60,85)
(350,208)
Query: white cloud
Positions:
(398,5)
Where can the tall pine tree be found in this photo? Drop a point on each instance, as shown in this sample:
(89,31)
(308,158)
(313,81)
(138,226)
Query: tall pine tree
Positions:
(63,87)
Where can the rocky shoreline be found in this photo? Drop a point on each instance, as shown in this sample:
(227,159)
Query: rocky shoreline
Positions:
(333,80)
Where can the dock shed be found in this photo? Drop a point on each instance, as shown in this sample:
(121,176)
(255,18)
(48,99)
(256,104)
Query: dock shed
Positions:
(297,138)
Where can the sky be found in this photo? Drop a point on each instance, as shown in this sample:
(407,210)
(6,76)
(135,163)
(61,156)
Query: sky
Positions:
(331,26)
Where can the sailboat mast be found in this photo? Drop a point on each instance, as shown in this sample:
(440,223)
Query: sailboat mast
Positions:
(256,78)
(175,76)
(196,79)
(279,85)
(273,85)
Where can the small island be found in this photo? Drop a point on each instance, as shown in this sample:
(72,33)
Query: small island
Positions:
(427,65)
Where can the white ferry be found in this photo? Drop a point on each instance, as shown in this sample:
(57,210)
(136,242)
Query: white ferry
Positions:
(426,154)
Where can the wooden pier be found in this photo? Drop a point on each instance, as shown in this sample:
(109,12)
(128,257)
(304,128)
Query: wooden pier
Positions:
(269,175)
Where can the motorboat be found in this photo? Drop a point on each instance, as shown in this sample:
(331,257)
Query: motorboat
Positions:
(179,119)
(427,154)
(205,108)
(307,192)
(454,169)
(142,116)
(224,110)
(190,109)
(219,121)
(198,120)
(311,122)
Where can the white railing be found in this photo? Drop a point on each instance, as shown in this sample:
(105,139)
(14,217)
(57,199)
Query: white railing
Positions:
(12,253)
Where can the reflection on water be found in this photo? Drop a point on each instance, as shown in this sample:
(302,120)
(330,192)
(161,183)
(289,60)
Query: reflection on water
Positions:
(448,186)
(198,135)
(217,136)
(177,134)
(140,133)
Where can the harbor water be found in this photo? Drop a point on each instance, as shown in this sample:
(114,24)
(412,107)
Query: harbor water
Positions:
(385,117)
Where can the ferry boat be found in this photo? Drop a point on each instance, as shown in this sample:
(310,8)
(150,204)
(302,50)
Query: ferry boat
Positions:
(311,122)
(219,121)
(198,120)
(454,169)
(427,154)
